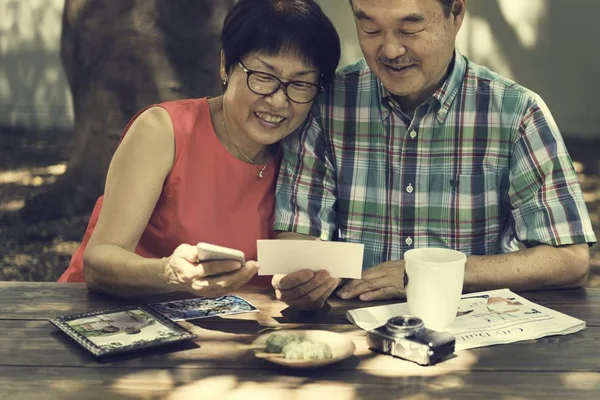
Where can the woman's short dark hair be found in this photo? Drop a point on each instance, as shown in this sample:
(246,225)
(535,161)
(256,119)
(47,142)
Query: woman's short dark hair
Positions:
(273,27)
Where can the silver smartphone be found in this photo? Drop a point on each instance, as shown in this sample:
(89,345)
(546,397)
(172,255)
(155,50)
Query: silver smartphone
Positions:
(211,252)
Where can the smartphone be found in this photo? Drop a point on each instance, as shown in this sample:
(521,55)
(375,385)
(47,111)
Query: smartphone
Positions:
(211,252)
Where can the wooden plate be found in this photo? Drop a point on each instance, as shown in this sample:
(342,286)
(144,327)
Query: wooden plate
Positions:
(341,348)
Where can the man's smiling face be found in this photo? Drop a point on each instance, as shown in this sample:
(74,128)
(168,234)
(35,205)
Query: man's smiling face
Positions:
(408,44)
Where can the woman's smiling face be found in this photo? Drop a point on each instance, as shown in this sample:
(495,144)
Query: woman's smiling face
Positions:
(266,119)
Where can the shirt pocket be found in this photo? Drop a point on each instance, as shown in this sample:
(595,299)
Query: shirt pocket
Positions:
(469,188)
(462,211)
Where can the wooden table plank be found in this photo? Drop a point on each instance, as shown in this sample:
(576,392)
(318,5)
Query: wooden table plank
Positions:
(38,300)
(579,303)
(31,343)
(184,384)
(42,301)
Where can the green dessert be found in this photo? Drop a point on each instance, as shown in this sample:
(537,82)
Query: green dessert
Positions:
(307,350)
(276,342)
(295,347)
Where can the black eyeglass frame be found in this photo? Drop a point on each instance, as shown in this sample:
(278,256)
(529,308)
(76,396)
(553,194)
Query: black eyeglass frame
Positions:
(282,84)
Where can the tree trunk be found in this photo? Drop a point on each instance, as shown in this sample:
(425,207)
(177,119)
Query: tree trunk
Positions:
(120,56)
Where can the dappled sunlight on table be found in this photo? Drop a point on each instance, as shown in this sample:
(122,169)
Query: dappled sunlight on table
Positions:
(135,383)
(68,385)
(214,387)
(54,307)
(582,380)
(233,388)
(388,366)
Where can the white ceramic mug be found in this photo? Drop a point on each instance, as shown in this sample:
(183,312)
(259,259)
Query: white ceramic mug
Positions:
(433,283)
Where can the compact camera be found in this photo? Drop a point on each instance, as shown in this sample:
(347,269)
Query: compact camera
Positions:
(406,337)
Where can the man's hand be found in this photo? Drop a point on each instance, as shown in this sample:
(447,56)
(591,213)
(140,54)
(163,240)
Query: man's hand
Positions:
(304,289)
(381,282)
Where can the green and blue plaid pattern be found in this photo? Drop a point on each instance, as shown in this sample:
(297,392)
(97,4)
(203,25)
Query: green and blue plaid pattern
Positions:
(480,167)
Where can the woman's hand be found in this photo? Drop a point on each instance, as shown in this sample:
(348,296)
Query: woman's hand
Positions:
(184,272)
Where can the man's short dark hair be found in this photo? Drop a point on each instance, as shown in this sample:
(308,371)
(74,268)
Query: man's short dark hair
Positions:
(273,27)
(446,4)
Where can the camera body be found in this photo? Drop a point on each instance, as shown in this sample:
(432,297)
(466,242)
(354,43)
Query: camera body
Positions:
(406,337)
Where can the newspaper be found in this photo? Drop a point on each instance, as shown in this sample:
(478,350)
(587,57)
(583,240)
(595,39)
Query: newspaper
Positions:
(484,318)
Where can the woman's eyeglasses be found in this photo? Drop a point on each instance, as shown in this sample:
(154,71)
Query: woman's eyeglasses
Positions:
(265,84)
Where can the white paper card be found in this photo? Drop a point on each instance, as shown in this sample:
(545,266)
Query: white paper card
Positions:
(340,259)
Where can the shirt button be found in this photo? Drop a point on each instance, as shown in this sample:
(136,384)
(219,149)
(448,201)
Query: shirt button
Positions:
(409,241)
(413,134)
(324,236)
(410,188)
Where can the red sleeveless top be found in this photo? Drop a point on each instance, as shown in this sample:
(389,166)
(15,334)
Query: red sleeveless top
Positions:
(209,196)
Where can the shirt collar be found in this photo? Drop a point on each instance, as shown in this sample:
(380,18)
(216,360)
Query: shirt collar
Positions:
(444,96)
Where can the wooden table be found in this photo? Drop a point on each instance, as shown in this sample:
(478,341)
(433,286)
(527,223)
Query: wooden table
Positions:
(39,362)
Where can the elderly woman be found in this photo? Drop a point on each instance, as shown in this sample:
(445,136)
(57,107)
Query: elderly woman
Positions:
(204,170)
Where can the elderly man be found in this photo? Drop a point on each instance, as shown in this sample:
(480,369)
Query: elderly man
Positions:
(417,146)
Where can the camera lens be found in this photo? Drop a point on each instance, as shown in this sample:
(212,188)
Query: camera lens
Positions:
(404,325)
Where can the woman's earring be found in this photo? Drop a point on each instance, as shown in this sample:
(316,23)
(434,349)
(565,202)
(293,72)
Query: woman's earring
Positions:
(224,80)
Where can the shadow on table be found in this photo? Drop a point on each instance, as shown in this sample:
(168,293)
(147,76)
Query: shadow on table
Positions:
(290,316)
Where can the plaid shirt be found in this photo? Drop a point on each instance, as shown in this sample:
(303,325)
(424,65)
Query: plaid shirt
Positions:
(480,167)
